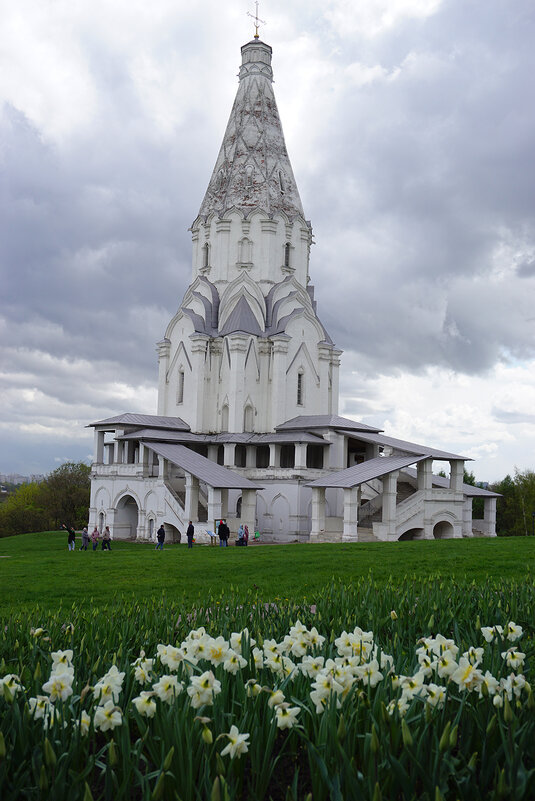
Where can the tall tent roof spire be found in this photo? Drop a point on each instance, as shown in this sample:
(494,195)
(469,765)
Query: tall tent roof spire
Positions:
(253,169)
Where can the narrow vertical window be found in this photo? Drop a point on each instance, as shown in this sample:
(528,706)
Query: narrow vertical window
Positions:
(205,255)
(180,387)
(281,182)
(287,247)
(300,387)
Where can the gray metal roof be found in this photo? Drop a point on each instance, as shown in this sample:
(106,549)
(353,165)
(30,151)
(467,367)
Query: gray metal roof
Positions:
(153,420)
(241,319)
(468,489)
(411,447)
(360,473)
(218,439)
(323,421)
(204,469)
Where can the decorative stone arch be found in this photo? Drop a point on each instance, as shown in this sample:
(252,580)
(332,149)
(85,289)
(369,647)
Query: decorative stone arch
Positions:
(126,516)
(102,499)
(412,534)
(248,416)
(301,358)
(303,313)
(280,512)
(225,411)
(443,530)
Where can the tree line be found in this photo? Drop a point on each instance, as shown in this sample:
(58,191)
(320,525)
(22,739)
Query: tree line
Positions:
(62,497)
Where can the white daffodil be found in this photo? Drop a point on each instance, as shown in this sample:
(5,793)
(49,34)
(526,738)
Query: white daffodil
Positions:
(239,638)
(234,662)
(40,706)
(467,676)
(218,650)
(11,682)
(513,685)
(143,671)
(474,655)
(490,633)
(315,640)
(59,686)
(107,717)
(258,658)
(253,688)
(413,685)
(400,706)
(286,716)
(319,698)
(167,688)
(369,673)
(145,704)
(276,697)
(513,658)
(498,701)
(311,665)
(441,645)
(237,744)
(202,689)
(436,695)
(84,723)
(490,683)
(446,664)
(297,629)
(513,632)
(427,663)
(61,658)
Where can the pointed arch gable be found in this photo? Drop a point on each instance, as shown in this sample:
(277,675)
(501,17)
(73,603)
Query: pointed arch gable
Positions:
(251,356)
(225,356)
(302,352)
(243,286)
(180,351)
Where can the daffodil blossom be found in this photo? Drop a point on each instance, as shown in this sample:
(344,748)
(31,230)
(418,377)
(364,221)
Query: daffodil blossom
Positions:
(491,632)
(234,662)
(513,632)
(202,689)
(107,717)
(467,676)
(237,744)
(61,658)
(145,704)
(286,715)
(167,688)
(513,658)
(436,695)
(59,686)
(84,723)
(218,650)
(11,682)
(276,697)
(40,706)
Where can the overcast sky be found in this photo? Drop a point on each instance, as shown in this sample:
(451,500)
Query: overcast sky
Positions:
(410,125)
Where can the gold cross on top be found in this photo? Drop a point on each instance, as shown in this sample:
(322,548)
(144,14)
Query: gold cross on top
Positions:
(257,20)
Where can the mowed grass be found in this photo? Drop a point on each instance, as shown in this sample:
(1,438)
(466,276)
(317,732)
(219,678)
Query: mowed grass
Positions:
(38,569)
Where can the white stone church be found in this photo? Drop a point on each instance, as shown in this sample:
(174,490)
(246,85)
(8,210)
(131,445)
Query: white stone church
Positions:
(247,426)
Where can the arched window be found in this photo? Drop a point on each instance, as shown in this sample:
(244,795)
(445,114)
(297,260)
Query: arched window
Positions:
(300,389)
(206,255)
(249,171)
(287,248)
(224,417)
(281,182)
(245,248)
(248,414)
(180,387)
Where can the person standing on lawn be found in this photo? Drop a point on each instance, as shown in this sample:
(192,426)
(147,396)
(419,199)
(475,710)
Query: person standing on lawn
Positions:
(95,534)
(160,535)
(224,533)
(106,539)
(85,539)
(189,534)
(71,537)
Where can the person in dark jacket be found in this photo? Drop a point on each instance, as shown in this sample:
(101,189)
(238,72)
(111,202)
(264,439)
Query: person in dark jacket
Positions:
(190,534)
(224,533)
(71,537)
(160,535)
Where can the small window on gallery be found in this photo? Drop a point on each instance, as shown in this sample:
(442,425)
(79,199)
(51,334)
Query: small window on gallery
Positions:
(180,387)
(300,389)
(287,248)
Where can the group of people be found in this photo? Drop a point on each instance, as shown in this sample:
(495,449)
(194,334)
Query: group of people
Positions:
(224,534)
(95,537)
(160,536)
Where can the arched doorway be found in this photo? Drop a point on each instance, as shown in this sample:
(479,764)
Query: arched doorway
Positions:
(126,518)
(412,534)
(442,530)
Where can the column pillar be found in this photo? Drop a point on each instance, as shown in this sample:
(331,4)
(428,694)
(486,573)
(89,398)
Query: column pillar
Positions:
(250,456)
(238,350)
(489,516)
(212,452)
(278,380)
(390,483)
(215,511)
(300,455)
(228,456)
(318,514)
(191,505)
(424,471)
(99,446)
(163,349)
(195,380)
(351,502)
(274,455)
(456,474)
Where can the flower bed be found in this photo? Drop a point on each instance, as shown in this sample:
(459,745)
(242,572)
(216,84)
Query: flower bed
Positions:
(292,705)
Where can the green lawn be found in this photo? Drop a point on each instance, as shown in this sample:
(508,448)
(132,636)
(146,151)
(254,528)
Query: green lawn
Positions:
(38,569)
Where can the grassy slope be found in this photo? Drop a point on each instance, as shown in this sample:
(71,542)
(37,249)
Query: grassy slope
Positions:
(41,570)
